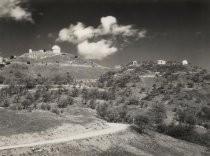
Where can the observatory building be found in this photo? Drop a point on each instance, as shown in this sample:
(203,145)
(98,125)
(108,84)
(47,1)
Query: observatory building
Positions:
(184,62)
(39,54)
(56,49)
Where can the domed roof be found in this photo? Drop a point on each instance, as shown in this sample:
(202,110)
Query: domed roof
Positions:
(55,47)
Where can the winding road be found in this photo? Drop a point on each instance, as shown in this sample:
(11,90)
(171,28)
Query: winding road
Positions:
(113,128)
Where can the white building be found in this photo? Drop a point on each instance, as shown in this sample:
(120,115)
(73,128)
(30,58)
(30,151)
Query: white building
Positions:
(161,62)
(134,63)
(184,62)
(56,49)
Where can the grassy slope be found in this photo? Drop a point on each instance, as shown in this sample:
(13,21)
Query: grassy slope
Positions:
(76,72)
(13,122)
(25,127)
(57,65)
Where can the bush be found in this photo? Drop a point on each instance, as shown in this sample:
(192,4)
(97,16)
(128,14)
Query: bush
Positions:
(2,79)
(186,117)
(26,103)
(75,92)
(46,97)
(45,106)
(102,109)
(116,114)
(133,101)
(92,104)
(158,113)
(63,103)
(142,122)
(177,131)
(105,95)
(185,132)
(204,113)
(56,111)
(6,103)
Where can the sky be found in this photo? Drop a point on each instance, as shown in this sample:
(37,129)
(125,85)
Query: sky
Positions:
(109,31)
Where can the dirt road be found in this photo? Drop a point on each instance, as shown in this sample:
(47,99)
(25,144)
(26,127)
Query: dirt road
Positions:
(113,128)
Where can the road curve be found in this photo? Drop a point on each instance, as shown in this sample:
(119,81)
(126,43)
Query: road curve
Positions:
(113,128)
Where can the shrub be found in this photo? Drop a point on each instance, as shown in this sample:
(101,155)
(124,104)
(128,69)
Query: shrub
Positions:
(45,106)
(29,82)
(133,101)
(6,103)
(185,132)
(102,109)
(56,111)
(107,76)
(105,95)
(186,117)
(46,97)
(92,104)
(177,131)
(63,103)
(141,121)
(75,92)
(116,114)
(158,113)
(26,103)
(2,79)
(204,113)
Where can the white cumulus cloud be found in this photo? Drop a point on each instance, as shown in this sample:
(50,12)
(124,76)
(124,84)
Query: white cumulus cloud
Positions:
(96,50)
(12,8)
(101,41)
(107,23)
(76,33)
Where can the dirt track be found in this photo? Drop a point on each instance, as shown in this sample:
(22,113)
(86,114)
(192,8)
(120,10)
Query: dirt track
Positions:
(113,128)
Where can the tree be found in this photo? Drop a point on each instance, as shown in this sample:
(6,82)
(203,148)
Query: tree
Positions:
(65,101)
(158,113)
(26,103)
(141,121)
(102,109)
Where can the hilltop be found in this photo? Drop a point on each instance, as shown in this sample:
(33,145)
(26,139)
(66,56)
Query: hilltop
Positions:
(48,64)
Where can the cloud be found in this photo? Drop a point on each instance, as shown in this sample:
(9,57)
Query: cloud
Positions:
(96,50)
(108,34)
(142,34)
(76,33)
(107,23)
(13,9)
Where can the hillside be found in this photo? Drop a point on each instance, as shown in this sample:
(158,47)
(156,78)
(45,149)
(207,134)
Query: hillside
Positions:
(52,65)
(173,99)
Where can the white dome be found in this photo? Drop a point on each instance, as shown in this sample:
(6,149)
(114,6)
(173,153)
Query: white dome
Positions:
(55,47)
(185,62)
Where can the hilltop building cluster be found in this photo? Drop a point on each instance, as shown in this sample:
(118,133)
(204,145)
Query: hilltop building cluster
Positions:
(163,62)
(56,50)
(159,62)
